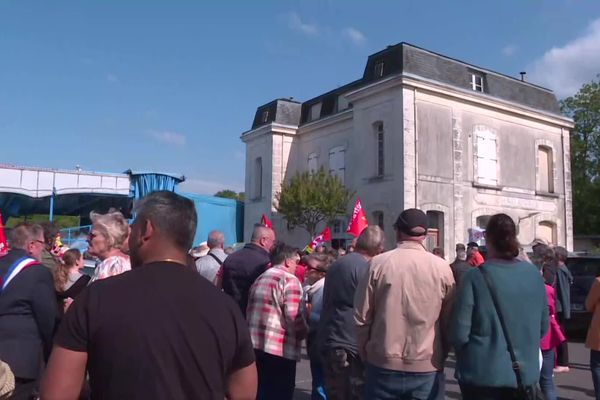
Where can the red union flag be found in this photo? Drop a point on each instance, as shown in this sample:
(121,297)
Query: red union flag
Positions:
(266,221)
(325,236)
(3,244)
(359,220)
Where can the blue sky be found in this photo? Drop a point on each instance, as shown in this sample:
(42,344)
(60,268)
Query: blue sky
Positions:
(171,85)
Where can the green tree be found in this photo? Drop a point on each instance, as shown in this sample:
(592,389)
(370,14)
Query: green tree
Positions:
(230,194)
(584,108)
(310,198)
(61,221)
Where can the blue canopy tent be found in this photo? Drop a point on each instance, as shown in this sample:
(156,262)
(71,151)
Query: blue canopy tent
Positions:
(32,190)
(226,215)
(145,182)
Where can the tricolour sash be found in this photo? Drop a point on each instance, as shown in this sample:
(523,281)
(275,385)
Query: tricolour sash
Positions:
(18,266)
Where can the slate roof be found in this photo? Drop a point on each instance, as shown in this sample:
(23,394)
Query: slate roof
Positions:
(405,58)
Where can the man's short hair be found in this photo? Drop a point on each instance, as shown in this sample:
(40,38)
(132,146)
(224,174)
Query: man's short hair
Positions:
(472,245)
(282,252)
(259,232)
(215,239)
(20,236)
(174,216)
(460,246)
(561,253)
(370,240)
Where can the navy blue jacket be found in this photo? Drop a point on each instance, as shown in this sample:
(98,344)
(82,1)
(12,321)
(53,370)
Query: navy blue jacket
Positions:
(241,269)
(28,317)
(337,329)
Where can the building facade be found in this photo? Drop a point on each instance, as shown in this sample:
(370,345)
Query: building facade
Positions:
(422,130)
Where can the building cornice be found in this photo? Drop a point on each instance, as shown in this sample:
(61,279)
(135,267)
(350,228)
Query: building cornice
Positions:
(480,99)
(324,122)
(271,128)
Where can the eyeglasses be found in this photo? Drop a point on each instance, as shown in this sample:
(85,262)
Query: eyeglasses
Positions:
(92,235)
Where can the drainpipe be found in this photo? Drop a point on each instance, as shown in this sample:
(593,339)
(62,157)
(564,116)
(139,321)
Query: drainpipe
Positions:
(416,148)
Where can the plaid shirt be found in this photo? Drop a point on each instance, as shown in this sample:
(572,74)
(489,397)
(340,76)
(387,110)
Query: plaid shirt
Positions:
(274,314)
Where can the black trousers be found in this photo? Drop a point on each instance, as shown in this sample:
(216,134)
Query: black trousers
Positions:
(276,377)
(471,392)
(25,389)
(562,351)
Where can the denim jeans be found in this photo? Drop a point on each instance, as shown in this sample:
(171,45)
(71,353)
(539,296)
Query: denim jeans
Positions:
(546,380)
(388,384)
(595,368)
(316,369)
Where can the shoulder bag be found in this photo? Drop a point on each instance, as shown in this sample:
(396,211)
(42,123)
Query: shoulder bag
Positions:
(522,392)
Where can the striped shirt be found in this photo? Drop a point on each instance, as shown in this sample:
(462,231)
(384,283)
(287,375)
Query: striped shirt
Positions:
(274,314)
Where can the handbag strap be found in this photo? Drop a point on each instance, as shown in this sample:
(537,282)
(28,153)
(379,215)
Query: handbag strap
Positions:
(515,364)
(216,259)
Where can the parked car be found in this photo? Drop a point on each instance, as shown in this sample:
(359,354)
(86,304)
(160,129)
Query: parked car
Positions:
(585,269)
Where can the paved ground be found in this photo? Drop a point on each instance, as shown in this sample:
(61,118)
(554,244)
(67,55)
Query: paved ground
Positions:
(575,385)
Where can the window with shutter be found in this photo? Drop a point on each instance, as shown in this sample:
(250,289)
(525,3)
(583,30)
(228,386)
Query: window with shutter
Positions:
(487,158)
(337,163)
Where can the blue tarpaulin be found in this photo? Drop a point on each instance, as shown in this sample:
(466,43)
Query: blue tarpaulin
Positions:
(144,183)
(225,215)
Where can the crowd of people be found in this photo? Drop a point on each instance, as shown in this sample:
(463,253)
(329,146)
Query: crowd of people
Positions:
(158,321)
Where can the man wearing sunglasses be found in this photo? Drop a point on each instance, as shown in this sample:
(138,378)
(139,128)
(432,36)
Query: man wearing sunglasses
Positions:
(28,308)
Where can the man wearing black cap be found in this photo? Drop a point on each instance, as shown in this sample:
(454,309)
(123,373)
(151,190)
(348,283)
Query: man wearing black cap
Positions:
(402,307)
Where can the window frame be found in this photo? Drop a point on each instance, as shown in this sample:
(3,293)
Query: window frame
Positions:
(380,146)
(475,86)
(480,159)
(379,218)
(379,69)
(265,116)
(338,171)
(313,110)
(435,235)
(553,229)
(258,178)
(313,156)
(550,169)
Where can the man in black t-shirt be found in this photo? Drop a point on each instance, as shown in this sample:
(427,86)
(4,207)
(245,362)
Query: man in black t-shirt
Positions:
(160,331)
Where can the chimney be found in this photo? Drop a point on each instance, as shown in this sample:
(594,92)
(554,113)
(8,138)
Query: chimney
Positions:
(523,73)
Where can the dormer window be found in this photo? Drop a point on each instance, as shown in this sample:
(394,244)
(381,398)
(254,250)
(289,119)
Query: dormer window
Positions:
(342,103)
(477,82)
(379,69)
(315,111)
(265,116)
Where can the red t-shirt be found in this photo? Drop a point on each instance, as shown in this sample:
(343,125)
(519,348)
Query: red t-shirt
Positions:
(300,272)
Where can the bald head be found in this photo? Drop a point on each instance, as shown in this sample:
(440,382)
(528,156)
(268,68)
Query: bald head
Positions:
(263,237)
(216,239)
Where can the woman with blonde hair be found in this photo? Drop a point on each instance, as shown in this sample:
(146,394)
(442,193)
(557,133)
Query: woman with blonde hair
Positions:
(68,279)
(107,241)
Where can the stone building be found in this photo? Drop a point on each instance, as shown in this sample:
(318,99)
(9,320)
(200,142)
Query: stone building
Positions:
(420,129)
